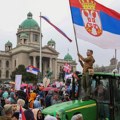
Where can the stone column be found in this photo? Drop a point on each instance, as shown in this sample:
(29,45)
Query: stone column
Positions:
(29,63)
(56,73)
(50,64)
(45,67)
(34,61)
(31,37)
(3,69)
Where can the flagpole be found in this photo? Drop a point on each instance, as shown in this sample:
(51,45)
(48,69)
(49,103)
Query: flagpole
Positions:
(74,32)
(76,39)
(40,58)
(116,58)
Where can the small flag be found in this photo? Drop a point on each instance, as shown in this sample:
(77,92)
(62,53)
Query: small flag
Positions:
(21,114)
(67,68)
(32,70)
(68,76)
(96,23)
(60,31)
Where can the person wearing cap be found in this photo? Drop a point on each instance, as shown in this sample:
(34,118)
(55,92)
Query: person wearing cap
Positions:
(87,65)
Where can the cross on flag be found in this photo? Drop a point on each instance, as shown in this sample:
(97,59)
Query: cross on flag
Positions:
(67,68)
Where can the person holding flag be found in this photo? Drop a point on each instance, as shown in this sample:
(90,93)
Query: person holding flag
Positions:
(87,65)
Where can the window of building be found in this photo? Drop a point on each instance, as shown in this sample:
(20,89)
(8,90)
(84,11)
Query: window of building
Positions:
(7,63)
(9,47)
(7,74)
(25,41)
(35,37)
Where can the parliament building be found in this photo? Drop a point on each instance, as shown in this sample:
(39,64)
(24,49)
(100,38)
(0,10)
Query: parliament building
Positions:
(27,52)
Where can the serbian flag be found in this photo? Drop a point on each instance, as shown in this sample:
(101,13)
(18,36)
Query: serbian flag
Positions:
(67,68)
(58,29)
(21,114)
(32,69)
(96,23)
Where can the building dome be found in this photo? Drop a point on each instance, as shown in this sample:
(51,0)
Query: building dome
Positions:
(68,57)
(29,23)
(51,42)
(8,43)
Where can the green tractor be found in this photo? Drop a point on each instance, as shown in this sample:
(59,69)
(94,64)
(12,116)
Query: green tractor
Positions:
(66,110)
(90,109)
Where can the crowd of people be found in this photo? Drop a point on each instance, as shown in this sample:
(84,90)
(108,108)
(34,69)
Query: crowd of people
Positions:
(32,100)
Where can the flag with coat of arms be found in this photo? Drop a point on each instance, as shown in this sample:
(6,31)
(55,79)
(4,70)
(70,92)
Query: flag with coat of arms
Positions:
(32,70)
(95,23)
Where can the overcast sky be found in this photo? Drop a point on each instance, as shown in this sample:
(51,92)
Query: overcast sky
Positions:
(14,12)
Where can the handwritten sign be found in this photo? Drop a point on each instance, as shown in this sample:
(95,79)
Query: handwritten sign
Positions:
(18,79)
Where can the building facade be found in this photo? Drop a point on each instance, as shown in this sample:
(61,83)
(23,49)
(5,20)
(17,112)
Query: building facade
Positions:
(27,52)
(114,64)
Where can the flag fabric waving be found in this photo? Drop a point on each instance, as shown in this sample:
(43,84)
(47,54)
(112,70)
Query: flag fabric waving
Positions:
(59,30)
(67,68)
(68,76)
(21,114)
(96,23)
(32,69)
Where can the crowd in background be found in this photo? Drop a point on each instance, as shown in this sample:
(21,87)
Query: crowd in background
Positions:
(34,99)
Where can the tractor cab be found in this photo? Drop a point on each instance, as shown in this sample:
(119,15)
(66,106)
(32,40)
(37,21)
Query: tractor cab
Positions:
(105,89)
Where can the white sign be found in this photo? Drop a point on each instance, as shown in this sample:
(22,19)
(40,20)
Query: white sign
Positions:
(46,82)
(18,79)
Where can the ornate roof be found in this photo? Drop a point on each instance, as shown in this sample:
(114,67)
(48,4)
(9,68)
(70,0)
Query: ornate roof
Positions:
(8,43)
(68,57)
(29,23)
(51,42)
